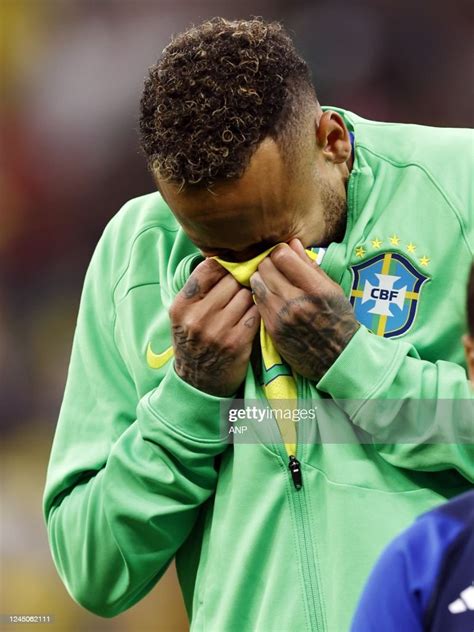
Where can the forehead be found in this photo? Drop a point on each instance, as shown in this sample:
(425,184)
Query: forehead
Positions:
(244,211)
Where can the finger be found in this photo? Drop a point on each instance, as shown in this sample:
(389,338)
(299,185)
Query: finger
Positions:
(268,303)
(237,307)
(204,277)
(222,292)
(306,277)
(249,324)
(274,280)
(259,289)
(297,246)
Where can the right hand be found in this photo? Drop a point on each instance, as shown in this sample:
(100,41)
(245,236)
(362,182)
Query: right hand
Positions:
(214,321)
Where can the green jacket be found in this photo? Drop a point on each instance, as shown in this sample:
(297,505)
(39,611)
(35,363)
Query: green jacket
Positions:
(141,472)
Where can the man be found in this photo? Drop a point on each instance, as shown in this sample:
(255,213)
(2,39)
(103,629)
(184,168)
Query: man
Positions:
(424,580)
(246,159)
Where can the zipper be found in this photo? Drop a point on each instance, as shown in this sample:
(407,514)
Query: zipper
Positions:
(295,468)
(307,557)
(308,562)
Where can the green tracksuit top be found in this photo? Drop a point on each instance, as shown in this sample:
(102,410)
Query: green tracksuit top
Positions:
(141,473)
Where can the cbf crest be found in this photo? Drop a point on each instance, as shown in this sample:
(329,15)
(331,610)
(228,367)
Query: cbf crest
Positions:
(385,293)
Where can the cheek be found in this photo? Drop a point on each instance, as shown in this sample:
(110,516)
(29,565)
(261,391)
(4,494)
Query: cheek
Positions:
(291,218)
(311,224)
(307,201)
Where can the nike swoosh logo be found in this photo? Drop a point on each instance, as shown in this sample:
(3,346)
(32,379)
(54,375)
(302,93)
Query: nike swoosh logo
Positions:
(157,360)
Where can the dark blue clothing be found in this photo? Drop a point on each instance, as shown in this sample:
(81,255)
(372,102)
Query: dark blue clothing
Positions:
(424,580)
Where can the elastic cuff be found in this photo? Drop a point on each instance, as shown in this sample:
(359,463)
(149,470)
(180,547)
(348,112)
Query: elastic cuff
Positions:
(186,409)
(368,362)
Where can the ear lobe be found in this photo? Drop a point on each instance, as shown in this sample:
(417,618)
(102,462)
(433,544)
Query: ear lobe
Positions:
(333,137)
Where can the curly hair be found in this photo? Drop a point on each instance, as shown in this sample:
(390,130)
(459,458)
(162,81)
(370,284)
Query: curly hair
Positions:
(218,90)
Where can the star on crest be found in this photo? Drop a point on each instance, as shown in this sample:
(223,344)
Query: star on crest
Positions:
(424,261)
(394,240)
(376,243)
(411,247)
(360,251)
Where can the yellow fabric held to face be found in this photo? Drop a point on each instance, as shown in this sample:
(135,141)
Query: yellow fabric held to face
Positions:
(280,391)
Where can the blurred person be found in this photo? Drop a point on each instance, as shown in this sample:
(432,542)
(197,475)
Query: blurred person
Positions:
(424,580)
(341,238)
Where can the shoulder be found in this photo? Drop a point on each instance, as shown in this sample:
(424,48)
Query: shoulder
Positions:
(426,540)
(127,228)
(439,148)
(137,216)
(459,509)
(442,156)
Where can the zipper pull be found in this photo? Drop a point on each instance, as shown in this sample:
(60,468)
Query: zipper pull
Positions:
(295,469)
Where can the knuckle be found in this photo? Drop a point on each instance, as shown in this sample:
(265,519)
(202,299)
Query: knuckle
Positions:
(196,328)
(231,344)
(211,264)
(191,324)
(245,296)
(212,268)
(298,311)
(205,266)
(230,286)
(281,253)
(174,311)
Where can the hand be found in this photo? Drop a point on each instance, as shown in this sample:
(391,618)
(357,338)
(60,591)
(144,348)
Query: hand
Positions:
(214,321)
(306,314)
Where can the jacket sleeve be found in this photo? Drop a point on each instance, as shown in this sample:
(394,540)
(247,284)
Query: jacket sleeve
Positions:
(125,478)
(420,415)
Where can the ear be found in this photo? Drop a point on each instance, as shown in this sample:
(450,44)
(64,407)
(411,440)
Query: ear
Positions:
(469,349)
(332,137)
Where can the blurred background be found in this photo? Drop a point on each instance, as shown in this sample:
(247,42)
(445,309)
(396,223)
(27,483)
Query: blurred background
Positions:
(71,76)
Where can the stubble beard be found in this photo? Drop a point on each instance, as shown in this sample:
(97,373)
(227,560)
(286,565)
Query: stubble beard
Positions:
(335,214)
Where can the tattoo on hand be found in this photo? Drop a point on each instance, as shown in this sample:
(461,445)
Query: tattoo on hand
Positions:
(198,363)
(259,290)
(192,288)
(250,322)
(312,331)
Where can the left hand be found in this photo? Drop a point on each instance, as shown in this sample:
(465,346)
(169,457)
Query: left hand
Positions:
(305,312)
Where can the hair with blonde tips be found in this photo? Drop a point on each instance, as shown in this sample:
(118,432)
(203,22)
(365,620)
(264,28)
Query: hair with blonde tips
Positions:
(218,90)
